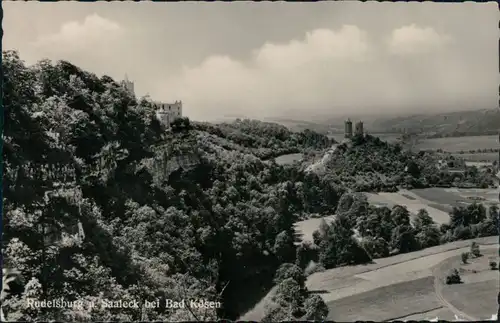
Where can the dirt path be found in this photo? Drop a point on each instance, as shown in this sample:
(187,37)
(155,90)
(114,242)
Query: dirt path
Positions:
(438,285)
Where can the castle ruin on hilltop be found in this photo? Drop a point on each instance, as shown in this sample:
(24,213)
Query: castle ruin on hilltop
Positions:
(166,113)
(348,131)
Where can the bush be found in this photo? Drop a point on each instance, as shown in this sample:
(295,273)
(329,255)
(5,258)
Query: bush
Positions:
(376,248)
(288,270)
(453,277)
(315,308)
(181,125)
(474,249)
(493,265)
(465,257)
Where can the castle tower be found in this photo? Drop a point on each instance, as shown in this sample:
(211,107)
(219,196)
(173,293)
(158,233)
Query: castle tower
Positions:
(128,85)
(348,128)
(359,128)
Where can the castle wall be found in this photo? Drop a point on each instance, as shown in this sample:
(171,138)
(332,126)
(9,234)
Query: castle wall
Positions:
(168,112)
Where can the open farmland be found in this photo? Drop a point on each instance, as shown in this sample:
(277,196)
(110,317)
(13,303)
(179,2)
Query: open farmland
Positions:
(440,196)
(386,303)
(398,288)
(478,164)
(477,295)
(459,143)
(437,201)
(478,157)
(442,313)
(390,283)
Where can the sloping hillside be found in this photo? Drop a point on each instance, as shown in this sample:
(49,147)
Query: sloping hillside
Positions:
(454,124)
(101,203)
(369,164)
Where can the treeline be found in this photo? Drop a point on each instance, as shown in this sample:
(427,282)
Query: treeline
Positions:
(455,134)
(478,151)
(362,232)
(266,140)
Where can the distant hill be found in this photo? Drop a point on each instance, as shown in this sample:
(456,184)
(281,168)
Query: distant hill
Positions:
(453,124)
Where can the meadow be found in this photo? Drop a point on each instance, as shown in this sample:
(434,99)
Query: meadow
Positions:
(477,295)
(401,287)
(288,159)
(479,157)
(455,144)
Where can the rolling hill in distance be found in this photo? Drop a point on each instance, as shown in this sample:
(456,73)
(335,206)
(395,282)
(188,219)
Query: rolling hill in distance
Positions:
(442,124)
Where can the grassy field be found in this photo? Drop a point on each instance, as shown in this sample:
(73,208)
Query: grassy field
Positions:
(386,303)
(367,283)
(479,157)
(477,296)
(439,196)
(459,143)
(288,159)
(478,164)
(476,299)
(413,203)
(306,228)
(442,313)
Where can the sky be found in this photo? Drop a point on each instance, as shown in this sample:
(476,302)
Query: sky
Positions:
(275,59)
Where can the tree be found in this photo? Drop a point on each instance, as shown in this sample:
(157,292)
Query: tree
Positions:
(453,277)
(428,236)
(403,239)
(284,247)
(315,308)
(474,249)
(465,257)
(288,270)
(422,219)
(376,247)
(400,215)
(289,295)
(340,247)
(181,125)
(306,252)
(413,169)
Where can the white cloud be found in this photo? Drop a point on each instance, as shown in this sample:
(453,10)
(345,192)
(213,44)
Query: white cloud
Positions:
(277,77)
(412,39)
(94,34)
(326,71)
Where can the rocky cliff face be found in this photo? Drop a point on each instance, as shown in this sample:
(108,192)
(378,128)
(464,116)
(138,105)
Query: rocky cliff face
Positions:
(164,165)
(185,162)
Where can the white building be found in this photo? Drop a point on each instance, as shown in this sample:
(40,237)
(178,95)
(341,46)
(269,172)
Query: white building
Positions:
(168,112)
(165,112)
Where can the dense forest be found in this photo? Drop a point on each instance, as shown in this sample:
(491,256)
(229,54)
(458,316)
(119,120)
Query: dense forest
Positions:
(102,203)
(370,164)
